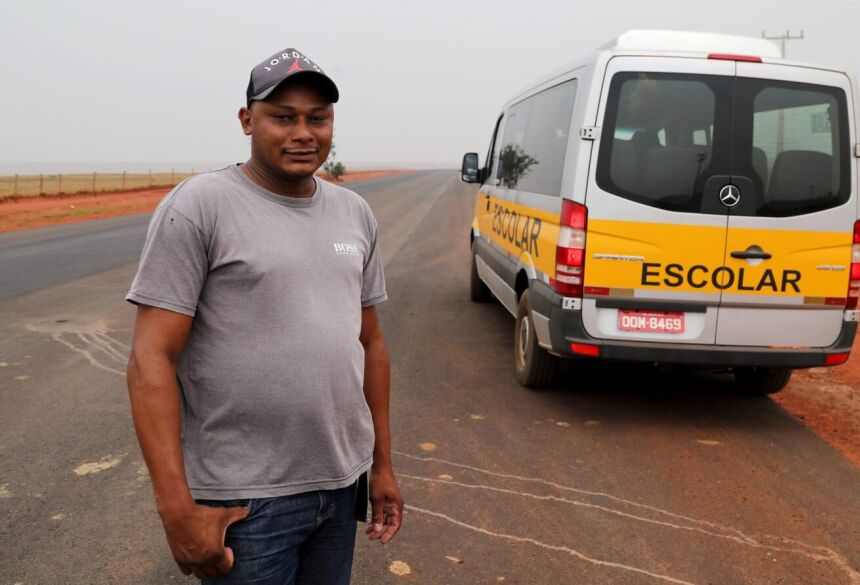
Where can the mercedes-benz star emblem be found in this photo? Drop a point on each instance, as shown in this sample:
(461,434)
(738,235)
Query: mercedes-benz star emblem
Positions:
(730,196)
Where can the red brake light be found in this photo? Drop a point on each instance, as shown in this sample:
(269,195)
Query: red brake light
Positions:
(730,57)
(570,249)
(854,276)
(569,256)
(575,215)
(834,359)
(587,349)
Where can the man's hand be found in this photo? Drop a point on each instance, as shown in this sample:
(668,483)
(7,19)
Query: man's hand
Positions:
(386,505)
(196,539)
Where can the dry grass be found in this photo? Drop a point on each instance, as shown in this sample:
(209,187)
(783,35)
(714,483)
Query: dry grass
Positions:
(30,185)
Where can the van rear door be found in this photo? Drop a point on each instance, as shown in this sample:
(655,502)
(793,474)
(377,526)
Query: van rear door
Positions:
(790,233)
(656,231)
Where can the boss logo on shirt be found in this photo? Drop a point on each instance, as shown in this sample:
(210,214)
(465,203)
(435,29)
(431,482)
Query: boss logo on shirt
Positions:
(346,250)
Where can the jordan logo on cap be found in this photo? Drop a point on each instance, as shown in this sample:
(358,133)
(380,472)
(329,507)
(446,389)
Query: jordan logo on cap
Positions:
(295,67)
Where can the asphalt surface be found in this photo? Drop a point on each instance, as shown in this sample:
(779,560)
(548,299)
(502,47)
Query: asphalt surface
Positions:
(620,475)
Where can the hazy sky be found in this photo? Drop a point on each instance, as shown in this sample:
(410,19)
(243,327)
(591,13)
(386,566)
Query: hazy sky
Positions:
(114,80)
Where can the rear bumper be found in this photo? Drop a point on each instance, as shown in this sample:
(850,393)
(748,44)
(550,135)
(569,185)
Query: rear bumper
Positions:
(566,327)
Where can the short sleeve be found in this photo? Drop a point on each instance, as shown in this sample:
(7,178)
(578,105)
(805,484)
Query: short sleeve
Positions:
(173,264)
(373,278)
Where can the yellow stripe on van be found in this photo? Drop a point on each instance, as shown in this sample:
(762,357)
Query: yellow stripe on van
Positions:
(523,232)
(687,258)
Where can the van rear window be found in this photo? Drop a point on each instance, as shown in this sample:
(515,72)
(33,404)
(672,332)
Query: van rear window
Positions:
(792,140)
(665,135)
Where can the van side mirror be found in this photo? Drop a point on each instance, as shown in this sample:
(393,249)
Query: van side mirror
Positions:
(469,172)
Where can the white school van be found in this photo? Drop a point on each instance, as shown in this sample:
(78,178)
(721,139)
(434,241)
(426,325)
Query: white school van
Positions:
(681,198)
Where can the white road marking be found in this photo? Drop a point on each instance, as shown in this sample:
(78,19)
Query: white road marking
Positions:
(92,342)
(58,337)
(400,569)
(98,466)
(788,545)
(553,547)
(4,491)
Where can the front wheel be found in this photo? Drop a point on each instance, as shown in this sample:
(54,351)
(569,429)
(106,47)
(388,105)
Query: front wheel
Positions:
(534,366)
(756,380)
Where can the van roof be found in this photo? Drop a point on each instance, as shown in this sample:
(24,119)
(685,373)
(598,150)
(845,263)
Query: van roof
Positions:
(692,42)
(677,44)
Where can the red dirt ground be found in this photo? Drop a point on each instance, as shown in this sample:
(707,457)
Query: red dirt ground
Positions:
(828,401)
(32,212)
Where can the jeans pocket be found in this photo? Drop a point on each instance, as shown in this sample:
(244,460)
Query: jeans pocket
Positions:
(226,504)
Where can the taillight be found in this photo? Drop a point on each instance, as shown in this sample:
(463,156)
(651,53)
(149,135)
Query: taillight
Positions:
(854,282)
(835,359)
(570,249)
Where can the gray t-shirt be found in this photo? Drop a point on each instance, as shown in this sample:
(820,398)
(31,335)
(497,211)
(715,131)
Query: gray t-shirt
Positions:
(272,373)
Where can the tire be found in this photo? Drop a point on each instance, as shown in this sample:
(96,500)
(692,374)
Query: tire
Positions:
(478,291)
(755,380)
(534,366)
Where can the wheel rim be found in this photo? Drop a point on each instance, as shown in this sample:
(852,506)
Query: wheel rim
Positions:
(523,340)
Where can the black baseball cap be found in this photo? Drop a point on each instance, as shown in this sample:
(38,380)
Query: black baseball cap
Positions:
(284,65)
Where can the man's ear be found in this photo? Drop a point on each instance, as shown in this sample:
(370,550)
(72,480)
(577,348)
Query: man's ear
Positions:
(245,120)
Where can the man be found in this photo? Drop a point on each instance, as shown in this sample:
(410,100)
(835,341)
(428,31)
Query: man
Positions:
(259,377)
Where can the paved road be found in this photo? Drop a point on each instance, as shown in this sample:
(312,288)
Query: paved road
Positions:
(620,475)
(34,259)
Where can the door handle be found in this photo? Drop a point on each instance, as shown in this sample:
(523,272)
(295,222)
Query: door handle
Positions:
(746,255)
(488,200)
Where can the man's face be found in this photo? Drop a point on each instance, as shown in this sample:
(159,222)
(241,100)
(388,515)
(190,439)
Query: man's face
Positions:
(291,130)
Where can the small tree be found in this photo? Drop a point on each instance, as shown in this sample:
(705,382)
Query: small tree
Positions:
(514,164)
(333,167)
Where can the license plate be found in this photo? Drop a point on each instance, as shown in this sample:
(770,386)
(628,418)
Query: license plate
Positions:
(650,321)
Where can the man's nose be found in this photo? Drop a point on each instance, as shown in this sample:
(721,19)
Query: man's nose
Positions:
(302,132)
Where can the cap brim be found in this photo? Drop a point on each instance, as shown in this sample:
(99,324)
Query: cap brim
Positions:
(326,84)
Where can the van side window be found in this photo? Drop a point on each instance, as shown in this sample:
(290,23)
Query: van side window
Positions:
(798,153)
(535,140)
(493,155)
(658,144)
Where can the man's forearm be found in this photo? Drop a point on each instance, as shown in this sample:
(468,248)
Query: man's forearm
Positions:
(154,395)
(376,393)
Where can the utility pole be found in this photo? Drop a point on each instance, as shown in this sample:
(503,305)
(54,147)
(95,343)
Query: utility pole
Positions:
(780,128)
(782,39)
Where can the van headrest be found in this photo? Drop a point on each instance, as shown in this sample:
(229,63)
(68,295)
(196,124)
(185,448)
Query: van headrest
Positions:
(801,175)
(673,171)
(625,165)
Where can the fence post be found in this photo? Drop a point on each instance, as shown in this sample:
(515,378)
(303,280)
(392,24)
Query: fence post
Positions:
(15,189)
(60,183)
(172,178)
(94,182)
(150,177)
(41,183)
(123,180)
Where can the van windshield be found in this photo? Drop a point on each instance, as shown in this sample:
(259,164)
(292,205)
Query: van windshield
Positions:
(665,135)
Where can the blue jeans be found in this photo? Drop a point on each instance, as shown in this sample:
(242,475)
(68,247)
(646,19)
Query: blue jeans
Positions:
(305,539)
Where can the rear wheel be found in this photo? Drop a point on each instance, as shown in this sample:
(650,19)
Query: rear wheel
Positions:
(755,380)
(534,366)
(478,291)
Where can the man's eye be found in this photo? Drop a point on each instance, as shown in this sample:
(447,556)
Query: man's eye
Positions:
(284,118)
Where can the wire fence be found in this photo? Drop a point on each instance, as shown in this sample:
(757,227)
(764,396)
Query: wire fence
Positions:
(19,186)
